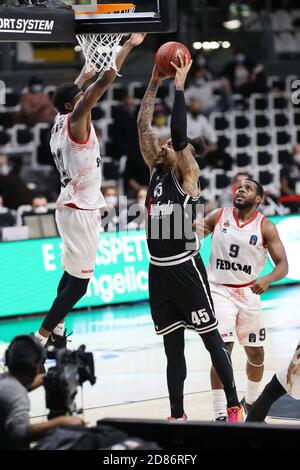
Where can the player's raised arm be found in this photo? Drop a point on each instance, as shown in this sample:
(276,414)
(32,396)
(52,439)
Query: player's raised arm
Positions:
(80,116)
(148,139)
(278,255)
(186,162)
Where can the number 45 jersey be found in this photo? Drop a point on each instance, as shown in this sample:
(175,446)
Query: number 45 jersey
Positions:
(238,252)
(79,165)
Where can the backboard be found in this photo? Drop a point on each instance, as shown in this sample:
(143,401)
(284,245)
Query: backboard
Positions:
(150,16)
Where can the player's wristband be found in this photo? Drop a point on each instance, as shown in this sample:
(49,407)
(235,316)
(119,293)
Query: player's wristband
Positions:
(296,356)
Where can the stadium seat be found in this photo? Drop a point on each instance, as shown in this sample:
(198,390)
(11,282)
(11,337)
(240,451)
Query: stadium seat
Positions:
(261,121)
(282,138)
(5,137)
(23,135)
(7,119)
(264,158)
(243,159)
(222,181)
(265,177)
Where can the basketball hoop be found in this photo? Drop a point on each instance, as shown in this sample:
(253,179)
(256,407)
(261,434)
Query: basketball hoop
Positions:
(100,50)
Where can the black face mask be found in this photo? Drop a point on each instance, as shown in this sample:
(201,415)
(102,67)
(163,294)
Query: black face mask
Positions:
(195,113)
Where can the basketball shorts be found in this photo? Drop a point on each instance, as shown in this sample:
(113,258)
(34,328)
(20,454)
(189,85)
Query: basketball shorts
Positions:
(294,389)
(239,314)
(79,230)
(180,297)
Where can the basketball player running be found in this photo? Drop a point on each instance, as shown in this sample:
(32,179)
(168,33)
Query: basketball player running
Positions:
(178,287)
(241,239)
(286,380)
(75,149)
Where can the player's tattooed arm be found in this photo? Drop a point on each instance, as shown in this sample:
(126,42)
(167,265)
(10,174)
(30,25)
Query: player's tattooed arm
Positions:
(294,365)
(204,227)
(278,255)
(149,144)
(189,171)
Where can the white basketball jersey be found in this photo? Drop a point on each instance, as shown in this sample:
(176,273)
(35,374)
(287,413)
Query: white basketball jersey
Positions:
(238,253)
(79,166)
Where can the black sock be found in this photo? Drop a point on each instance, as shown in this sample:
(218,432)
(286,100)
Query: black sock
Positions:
(221,361)
(176,370)
(74,289)
(272,391)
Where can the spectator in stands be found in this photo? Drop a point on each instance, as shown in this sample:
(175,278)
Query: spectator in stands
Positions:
(203,89)
(7,216)
(36,105)
(290,180)
(245,76)
(160,122)
(13,187)
(39,206)
(124,129)
(226,198)
(137,220)
(200,60)
(199,126)
(113,217)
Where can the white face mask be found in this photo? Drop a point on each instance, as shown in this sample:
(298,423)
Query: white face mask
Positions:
(40,210)
(297,157)
(111,201)
(4,169)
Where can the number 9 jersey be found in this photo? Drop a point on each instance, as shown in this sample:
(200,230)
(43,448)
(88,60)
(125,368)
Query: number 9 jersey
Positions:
(79,165)
(238,252)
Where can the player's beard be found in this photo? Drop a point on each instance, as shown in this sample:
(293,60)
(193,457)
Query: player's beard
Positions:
(243,205)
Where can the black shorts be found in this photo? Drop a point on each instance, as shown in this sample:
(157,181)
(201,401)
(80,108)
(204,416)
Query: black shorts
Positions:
(180,297)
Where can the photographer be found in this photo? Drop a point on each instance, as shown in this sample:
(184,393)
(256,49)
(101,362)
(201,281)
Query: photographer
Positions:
(24,359)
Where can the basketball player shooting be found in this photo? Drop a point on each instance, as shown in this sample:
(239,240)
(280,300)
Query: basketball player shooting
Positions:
(75,149)
(241,240)
(178,287)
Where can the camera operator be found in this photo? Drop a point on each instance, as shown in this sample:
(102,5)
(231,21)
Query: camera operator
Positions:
(24,359)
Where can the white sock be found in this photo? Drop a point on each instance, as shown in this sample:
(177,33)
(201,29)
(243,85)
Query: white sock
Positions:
(219,403)
(252,391)
(59,329)
(42,339)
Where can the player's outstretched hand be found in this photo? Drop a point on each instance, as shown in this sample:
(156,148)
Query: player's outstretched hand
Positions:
(260,285)
(181,71)
(157,76)
(85,75)
(136,39)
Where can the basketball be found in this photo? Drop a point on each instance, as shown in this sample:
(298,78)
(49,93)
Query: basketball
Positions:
(170,52)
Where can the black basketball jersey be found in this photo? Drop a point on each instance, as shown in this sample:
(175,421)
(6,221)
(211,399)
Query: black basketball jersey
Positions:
(170,214)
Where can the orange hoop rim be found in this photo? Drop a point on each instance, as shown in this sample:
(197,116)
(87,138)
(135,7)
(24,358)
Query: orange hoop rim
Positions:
(105,8)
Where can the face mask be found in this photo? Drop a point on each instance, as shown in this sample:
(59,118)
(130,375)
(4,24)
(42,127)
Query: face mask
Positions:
(40,210)
(199,82)
(4,169)
(111,201)
(36,88)
(201,61)
(240,58)
(297,157)
(195,113)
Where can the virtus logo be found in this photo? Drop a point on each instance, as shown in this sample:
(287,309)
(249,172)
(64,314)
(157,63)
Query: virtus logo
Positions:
(2,92)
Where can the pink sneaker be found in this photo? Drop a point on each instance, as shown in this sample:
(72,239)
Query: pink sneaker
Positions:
(183,418)
(235,414)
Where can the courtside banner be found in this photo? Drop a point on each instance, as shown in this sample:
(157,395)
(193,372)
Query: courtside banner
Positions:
(37,24)
(31,269)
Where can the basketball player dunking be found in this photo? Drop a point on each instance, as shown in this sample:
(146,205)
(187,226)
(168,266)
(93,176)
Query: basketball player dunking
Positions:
(241,238)
(75,149)
(178,287)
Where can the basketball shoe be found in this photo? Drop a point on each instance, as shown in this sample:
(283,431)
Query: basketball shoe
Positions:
(183,418)
(235,414)
(246,406)
(57,341)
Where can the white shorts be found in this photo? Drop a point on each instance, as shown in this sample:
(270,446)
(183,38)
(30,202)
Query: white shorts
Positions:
(239,314)
(79,230)
(294,389)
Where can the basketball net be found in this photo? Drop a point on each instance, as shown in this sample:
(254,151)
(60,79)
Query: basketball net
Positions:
(100,50)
